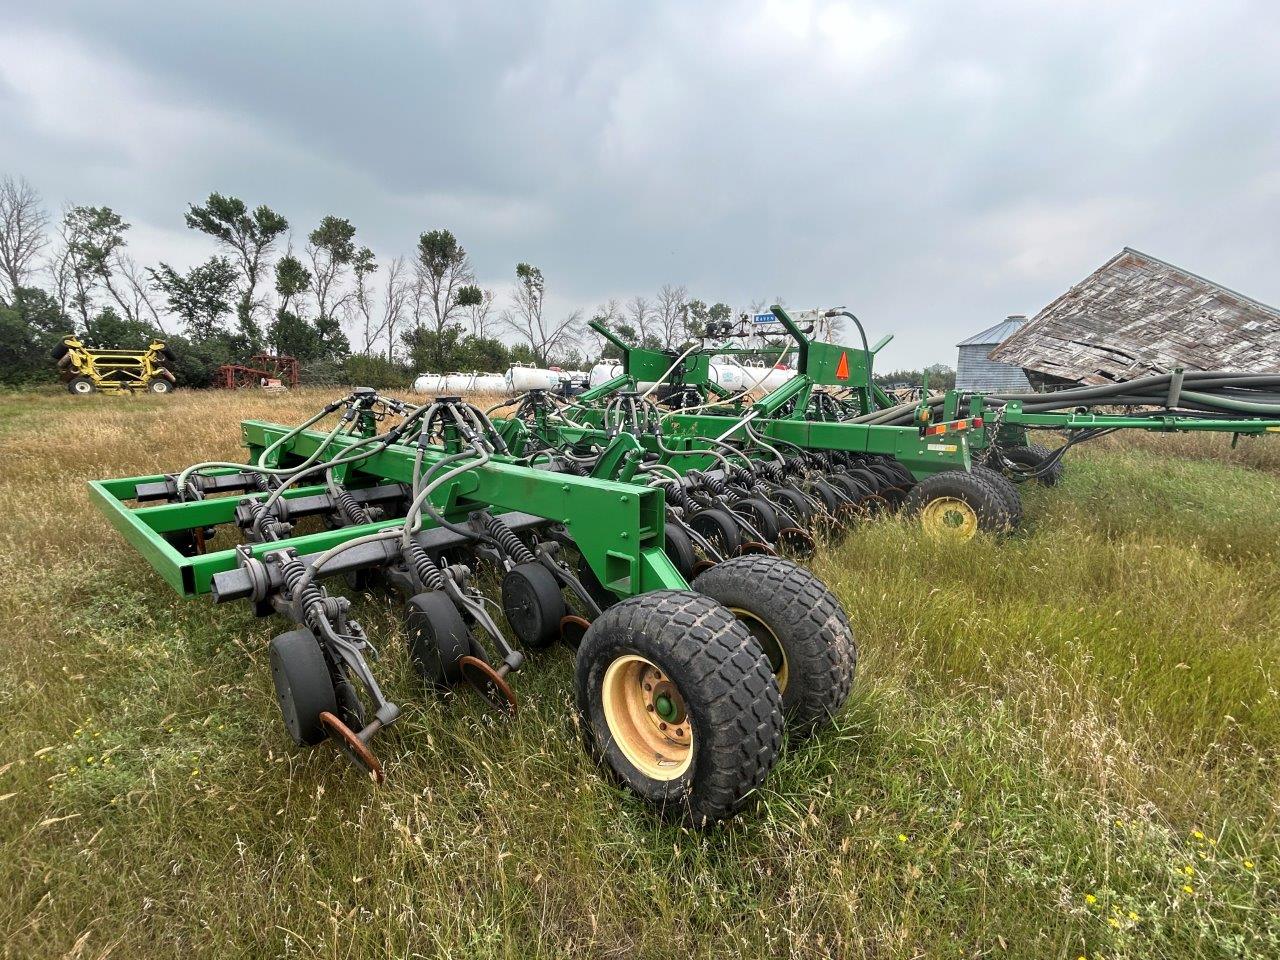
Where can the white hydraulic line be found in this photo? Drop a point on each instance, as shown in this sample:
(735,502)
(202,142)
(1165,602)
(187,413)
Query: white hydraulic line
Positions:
(741,423)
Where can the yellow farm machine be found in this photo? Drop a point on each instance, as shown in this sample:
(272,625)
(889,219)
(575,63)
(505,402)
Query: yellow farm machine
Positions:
(89,370)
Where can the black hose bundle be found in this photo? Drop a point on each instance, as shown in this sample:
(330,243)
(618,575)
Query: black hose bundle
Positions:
(1196,393)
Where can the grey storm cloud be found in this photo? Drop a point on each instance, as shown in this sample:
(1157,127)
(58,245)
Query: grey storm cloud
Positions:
(934,166)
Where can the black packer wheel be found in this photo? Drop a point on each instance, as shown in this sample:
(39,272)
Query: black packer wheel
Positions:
(304,688)
(679,550)
(437,636)
(760,514)
(719,528)
(533,604)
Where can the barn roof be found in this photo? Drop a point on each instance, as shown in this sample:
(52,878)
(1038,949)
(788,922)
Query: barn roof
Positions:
(1137,314)
(996,334)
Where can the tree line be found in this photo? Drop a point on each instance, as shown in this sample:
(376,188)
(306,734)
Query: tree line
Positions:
(320,295)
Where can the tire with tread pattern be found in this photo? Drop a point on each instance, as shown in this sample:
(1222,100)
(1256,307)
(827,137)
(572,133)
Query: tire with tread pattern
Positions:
(81,386)
(977,493)
(792,613)
(724,679)
(1008,492)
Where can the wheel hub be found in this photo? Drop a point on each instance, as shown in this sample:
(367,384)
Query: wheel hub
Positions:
(951,517)
(647,717)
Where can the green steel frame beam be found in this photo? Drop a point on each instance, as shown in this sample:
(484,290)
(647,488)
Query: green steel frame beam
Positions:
(618,527)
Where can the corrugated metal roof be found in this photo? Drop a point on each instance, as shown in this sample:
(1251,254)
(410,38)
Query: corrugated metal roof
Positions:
(996,334)
(1137,314)
(974,371)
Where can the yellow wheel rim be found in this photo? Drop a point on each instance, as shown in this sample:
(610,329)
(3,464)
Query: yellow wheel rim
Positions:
(949,517)
(647,717)
(769,642)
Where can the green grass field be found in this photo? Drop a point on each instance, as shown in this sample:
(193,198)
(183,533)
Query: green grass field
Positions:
(1063,745)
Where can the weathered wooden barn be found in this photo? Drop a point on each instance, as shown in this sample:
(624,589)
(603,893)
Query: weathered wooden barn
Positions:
(1136,315)
(975,370)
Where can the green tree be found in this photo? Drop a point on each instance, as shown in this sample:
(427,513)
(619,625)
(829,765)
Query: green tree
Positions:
(250,236)
(445,282)
(111,331)
(332,250)
(92,236)
(292,280)
(30,328)
(364,266)
(294,336)
(201,296)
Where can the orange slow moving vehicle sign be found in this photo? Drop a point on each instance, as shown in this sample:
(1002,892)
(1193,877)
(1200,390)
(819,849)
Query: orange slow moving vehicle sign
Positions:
(842,368)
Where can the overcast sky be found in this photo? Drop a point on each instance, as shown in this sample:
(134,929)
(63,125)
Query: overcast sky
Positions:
(933,169)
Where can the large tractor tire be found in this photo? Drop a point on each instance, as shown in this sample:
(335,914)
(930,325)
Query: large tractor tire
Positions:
(678,701)
(159,385)
(958,504)
(81,386)
(801,627)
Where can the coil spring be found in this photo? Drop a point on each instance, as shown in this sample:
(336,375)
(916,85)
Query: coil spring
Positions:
(264,521)
(352,508)
(772,470)
(715,485)
(741,475)
(568,466)
(508,541)
(678,496)
(428,573)
(293,570)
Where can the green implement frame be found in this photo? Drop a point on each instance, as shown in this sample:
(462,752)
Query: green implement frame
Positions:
(618,527)
(780,416)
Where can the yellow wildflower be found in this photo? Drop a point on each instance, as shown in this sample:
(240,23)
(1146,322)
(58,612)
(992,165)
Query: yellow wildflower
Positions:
(1090,899)
(1187,888)
(903,838)
(1132,915)
(1189,870)
(1248,864)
